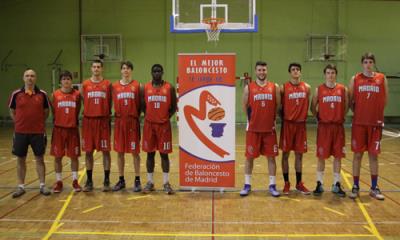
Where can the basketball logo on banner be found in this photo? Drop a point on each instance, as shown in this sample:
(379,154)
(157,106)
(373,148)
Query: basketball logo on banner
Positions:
(215,114)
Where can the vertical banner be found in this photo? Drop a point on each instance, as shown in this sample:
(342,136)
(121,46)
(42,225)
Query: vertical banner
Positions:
(206,120)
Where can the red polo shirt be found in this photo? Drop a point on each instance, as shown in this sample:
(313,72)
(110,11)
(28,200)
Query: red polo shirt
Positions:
(29,110)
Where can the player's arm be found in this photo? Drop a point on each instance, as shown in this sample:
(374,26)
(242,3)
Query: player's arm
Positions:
(46,106)
(142,101)
(172,109)
(386,90)
(278,97)
(12,114)
(138,101)
(78,104)
(109,93)
(245,99)
(12,105)
(52,103)
(314,103)
(282,95)
(351,94)
(346,100)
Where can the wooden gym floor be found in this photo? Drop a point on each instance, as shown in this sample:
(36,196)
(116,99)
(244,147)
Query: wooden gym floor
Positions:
(201,215)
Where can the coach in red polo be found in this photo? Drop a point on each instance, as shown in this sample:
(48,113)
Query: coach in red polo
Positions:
(29,108)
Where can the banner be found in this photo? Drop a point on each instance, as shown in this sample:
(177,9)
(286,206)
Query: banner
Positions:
(206,120)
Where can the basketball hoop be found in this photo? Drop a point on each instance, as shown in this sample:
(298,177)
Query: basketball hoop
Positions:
(213,28)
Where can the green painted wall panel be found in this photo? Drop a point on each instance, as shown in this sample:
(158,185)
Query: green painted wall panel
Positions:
(37,30)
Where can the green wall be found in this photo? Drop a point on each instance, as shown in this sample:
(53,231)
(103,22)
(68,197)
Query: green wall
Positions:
(36,31)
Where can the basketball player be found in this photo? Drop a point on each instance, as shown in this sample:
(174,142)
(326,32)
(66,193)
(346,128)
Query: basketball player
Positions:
(29,108)
(295,101)
(96,130)
(330,105)
(125,93)
(261,100)
(368,96)
(159,102)
(65,140)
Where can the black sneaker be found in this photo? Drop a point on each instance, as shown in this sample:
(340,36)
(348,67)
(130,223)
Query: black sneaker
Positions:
(149,187)
(318,189)
(106,185)
(337,189)
(168,189)
(88,186)
(137,187)
(19,192)
(355,192)
(119,186)
(44,191)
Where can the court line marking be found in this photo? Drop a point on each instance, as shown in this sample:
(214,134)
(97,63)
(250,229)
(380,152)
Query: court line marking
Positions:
(56,223)
(293,199)
(364,211)
(134,198)
(154,234)
(93,208)
(200,222)
(334,211)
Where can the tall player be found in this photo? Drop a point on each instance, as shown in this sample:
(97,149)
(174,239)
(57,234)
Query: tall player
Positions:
(368,96)
(159,102)
(66,104)
(330,105)
(96,123)
(125,93)
(295,101)
(261,100)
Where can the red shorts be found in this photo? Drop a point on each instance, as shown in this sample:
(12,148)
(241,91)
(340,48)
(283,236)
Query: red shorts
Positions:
(157,136)
(261,143)
(293,137)
(127,135)
(96,134)
(330,140)
(366,138)
(65,141)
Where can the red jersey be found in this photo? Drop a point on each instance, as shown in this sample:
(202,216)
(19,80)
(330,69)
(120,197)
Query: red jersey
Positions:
(66,107)
(369,99)
(29,110)
(331,103)
(126,99)
(158,102)
(295,102)
(96,98)
(261,110)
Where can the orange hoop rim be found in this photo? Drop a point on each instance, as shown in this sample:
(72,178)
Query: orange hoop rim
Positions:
(213,22)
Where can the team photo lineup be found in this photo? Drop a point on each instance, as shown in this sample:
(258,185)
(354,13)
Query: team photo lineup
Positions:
(263,103)
(200,119)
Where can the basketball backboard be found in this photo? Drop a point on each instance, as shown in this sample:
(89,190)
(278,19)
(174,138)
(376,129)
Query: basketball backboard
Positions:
(188,15)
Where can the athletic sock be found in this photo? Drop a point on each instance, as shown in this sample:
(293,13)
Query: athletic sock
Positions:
(356,180)
(247,179)
(320,176)
(74,175)
(106,175)
(374,181)
(286,177)
(89,175)
(298,177)
(165,177)
(58,176)
(150,177)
